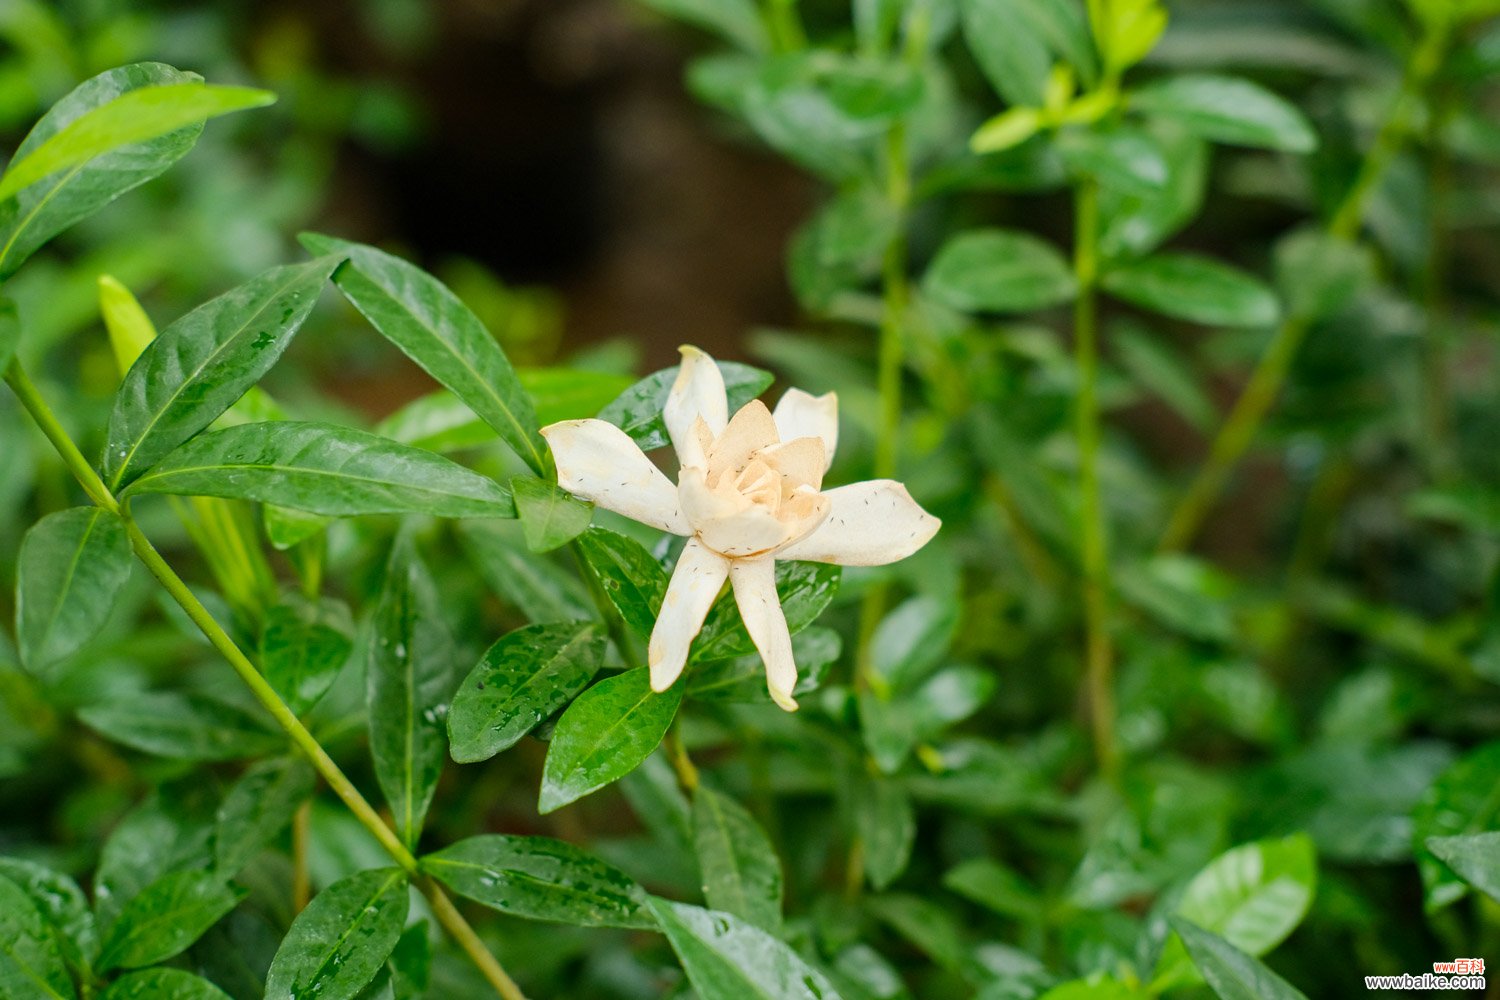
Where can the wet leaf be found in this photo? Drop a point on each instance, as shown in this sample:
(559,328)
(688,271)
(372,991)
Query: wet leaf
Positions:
(550,517)
(181,726)
(637,410)
(604,735)
(805,590)
(1232,973)
(31,966)
(741,872)
(337,945)
(256,808)
(633,581)
(163,984)
(728,959)
(166,917)
(72,567)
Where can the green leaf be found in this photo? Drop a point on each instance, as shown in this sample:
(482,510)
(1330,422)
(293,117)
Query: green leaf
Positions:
(324,469)
(258,807)
(1136,222)
(410,679)
(728,959)
(422,316)
(743,678)
(62,904)
(134,117)
(439,421)
(1228,109)
(163,984)
(1161,371)
(10,333)
(998,270)
(1462,800)
(1095,987)
(571,393)
(181,726)
(1125,160)
(634,582)
(166,917)
(337,945)
(1231,973)
(43,210)
(70,571)
(1194,288)
(521,680)
(741,872)
(200,365)
(887,827)
(912,640)
(410,963)
(540,589)
(1475,857)
(637,410)
(736,21)
(805,589)
(604,735)
(1319,273)
(31,966)
(302,650)
(1008,50)
(1253,896)
(130,329)
(550,517)
(541,879)
(895,722)
(997,888)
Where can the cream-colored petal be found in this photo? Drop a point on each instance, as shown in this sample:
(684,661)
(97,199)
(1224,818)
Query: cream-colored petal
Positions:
(698,392)
(701,505)
(754,582)
(695,583)
(801,460)
(750,532)
(599,462)
(868,524)
(749,430)
(801,414)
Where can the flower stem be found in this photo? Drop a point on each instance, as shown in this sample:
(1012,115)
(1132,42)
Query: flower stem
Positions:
(1265,383)
(687,772)
(1093,540)
(301,839)
(304,740)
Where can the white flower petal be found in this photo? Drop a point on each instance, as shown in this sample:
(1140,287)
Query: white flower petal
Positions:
(599,462)
(695,583)
(698,392)
(801,460)
(801,414)
(868,524)
(754,583)
(751,429)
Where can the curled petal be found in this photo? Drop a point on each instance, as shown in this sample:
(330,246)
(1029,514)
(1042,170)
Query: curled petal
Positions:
(698,392)
(695,583)
(754,582)
(868,524)
(802,461)
(599,462)
(751,429)
(801,414)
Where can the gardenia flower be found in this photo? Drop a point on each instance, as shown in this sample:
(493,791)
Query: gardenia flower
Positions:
(749,492)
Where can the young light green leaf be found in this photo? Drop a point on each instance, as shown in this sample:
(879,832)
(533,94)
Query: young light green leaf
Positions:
(166,917)
(31,966)
(1228,109)
(1231,973)
(1194,288)
(634,582)
(324,469)
(728,959)
(422,316)
(46,208)
(541,879)
(72,567)
(63,905)
(180,726)
(130,329)
(258,807)
(522,679)
(604,735)
(741,872)
(134,117)
(805,590)
(302,649)
(338,944)
(410,679)
(163,984)
(998,270)
(637,410)
(1475,857)
(201,364)
(551,517)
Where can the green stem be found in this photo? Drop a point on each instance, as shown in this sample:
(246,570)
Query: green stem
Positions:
(1265,383)
(1093,540)
(304,740)
(687,772)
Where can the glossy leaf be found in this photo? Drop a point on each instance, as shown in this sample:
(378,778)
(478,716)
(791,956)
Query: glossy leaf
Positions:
(163,984)
(1458,802)
(637,410)
(998,270)
(134,117)
(130,329)
(550,517)
(337,945)
(743,678)
(741,872)
(1229,971)
(324,469)
(1228,109)
(181,726)
(71,569)
(521,680)
(912,640)
(45,209)
(410,963)
(31,966)
(633,581)
(1475,857)
(200,365)
(1194,288)
(805,589)
(604,735)
(432,326)
(410,675)
(541,879)
(166,917)
(302,650)
(62,904)
(256,808)
(728,959)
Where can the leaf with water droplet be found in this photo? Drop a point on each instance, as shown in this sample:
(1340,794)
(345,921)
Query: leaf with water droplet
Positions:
(728,959)
(337,945)
(258,807)
(31,966)
(634,582)
(163,984)
(741,872)
(166,917)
